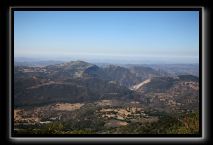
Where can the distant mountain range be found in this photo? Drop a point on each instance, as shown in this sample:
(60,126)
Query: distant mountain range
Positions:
(177,69)
(79,81)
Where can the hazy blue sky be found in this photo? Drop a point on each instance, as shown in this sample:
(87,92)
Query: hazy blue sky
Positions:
(137,36)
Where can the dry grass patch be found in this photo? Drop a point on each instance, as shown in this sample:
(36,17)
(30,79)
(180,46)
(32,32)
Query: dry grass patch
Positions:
(67,106)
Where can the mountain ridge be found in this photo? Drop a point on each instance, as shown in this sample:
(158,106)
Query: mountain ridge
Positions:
(78,81)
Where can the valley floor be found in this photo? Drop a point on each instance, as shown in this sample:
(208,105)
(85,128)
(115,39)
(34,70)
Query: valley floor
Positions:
(102,117)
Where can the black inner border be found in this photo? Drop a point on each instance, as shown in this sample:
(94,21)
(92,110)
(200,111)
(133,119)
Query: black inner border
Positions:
(106,9)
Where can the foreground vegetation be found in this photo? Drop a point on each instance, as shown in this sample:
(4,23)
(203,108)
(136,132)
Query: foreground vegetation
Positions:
(181,124)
